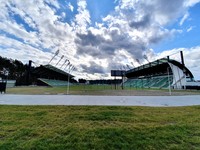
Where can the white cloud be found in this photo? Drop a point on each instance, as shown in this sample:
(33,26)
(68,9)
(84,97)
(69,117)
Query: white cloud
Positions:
(190,29)
(82,19)
(70,7)
(53,3)
(23,52)
(184,18)
(63,14)
(190,3)
(123,35)
(191,58)
(130,30)
(161,12)
(46,34)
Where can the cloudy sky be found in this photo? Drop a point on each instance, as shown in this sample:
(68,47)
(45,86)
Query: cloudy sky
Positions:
(100,35)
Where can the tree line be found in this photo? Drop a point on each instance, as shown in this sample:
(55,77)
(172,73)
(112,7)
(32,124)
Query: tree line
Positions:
(11,69)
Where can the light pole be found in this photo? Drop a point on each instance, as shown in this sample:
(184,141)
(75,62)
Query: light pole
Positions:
(68,85)
(68,81)
(170,92)
(70,70)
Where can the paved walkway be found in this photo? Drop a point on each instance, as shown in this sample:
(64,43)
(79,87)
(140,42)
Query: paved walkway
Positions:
(10,99)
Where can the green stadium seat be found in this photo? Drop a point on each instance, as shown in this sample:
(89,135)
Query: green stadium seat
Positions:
(160,82)
(53,83)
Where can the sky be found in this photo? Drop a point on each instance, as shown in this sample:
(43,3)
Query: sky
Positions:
(97,36)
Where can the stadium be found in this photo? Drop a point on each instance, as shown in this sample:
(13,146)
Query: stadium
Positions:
(162,73)
(50,75)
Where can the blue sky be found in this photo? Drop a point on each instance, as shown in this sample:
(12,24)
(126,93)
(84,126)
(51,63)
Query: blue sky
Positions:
(100,35)
(100,9)
(189,37)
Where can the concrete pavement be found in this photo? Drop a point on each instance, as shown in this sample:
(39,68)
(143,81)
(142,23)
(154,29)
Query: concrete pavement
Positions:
(157,101)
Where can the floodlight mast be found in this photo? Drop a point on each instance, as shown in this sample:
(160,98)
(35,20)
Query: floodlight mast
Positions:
(56,53)
(60,59)
(145,57)
(132,64)
(67,64)
(138,61)
(124,68)
(128,66)
(70,65)
(64,63)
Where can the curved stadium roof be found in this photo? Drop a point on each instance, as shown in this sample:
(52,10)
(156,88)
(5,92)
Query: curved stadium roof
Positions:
(158,67)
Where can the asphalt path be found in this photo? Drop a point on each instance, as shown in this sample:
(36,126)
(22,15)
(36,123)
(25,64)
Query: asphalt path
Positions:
(79,100)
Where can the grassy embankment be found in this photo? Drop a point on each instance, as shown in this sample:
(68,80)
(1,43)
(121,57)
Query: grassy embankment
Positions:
(65,127)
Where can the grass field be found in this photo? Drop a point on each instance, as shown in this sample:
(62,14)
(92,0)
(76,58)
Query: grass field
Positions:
(90,127)
(97,90)
(65,127)
(77,90)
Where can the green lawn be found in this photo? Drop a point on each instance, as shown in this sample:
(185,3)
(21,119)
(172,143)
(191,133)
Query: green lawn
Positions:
(97,90)
(74,89)
(75,127)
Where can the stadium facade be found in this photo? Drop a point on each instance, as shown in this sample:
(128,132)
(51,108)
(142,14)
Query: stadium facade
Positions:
(162,73)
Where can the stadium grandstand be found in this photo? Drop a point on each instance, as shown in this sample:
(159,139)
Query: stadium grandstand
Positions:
(49,75)
(162,73)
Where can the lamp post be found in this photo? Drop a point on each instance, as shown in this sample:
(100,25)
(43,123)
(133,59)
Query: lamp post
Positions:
(70,70)
(68,80)
(68,85)
(170,92)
